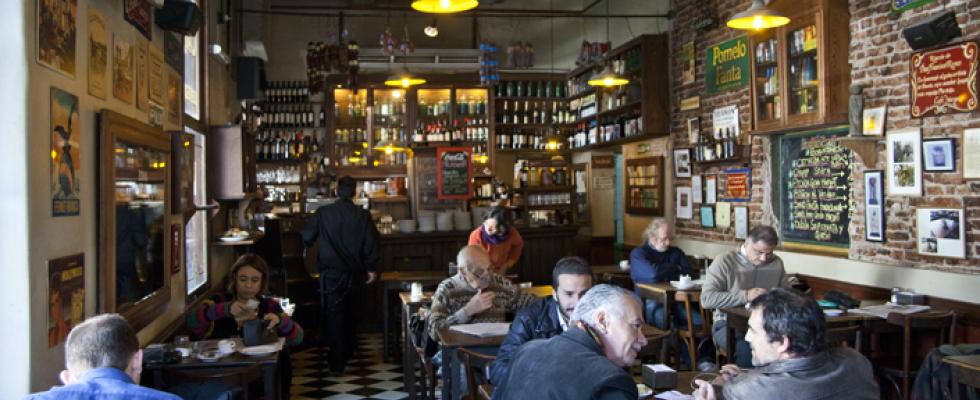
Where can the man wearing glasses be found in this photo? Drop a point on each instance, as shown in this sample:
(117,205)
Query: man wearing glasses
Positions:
(738,277)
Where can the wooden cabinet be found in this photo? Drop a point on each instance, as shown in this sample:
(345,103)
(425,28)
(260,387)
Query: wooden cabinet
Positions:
(645,186)
(800,72)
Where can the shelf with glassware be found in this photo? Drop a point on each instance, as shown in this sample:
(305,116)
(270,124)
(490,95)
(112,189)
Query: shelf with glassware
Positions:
(454,116)
(800,72)
(530,113)
(645,186)
(543,189)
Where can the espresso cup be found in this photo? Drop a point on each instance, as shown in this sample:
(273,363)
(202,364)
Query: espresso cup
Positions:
(227,346)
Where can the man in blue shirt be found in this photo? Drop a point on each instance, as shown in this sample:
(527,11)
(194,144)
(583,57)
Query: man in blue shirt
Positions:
(104,362)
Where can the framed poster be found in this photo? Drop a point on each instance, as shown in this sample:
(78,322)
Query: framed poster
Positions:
(693,129)
(173,51)
(142,89)
(971,153)
(741,222)
(939,155)
(723,214)
(904,158)
(65,154)
(874,210)
(944,80)
(687,63)
(707,217)
(454,173)
(710,189)
(682,163)
(735,184)
(174,97)
(66,296)
(685,207)
(122,70)
(98,54)
(696,191)
(726,65)
(940,232)
(873,121)
(56,34)
(902,5)
(139,14)
(155,80)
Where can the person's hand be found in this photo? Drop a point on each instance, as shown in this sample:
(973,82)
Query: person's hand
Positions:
(273,320)
(729,371)
(751,294)
(241,312)
(480,302)
(705,391)
(371,277)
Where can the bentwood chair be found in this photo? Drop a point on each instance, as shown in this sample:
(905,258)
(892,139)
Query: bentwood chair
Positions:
(428,370)
(849,335)
(477,390)
(914,328)
(690,333)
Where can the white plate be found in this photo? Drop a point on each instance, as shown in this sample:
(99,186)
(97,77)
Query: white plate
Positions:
(232,238)
(209,356)
(258,351)
(677,284)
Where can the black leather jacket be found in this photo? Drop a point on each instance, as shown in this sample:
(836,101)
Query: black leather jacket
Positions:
(539,320)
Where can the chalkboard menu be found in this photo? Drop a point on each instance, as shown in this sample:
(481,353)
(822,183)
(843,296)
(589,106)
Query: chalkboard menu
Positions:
(814,188)
(454,168)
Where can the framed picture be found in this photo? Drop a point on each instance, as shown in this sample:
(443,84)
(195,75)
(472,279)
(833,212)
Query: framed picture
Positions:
(696,189)
(874,210)
(941,232)
(57,29)
(707,216)
(741,222)
(65,154)
(687,63)
(685,206)
(693,129)
(98,54)
(682,163)
(122,70)
(710,189)
(939,155)
(873,121)
(904,157)
(971,153)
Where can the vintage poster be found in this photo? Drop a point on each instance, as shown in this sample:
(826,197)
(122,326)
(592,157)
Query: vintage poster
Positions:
(726,65)
(173,99)
(139,14)
(723,214)
(741,222)
(98,54)
(155,76)
(685,208)
(65,154)
(142,90)
(56,34)
(735,184)
(66,296)
(904,167)
(687,63)
(173,51)
(971,153)
(710,189)
(122,70)
(724,122)
(944,80)
(696,191)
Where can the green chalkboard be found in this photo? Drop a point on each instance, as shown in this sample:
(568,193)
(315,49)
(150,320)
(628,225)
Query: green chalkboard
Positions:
(454,169)
(814,188)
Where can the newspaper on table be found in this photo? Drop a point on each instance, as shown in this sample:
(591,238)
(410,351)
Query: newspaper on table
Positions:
(483,329)
(882,311)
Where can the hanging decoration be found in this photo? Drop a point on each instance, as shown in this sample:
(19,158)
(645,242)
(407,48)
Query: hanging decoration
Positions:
(489,76)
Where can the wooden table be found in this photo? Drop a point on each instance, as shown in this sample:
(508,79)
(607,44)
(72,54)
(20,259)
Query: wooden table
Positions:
(738,319)
(270,369)
(684,381)
(966,371)
(667,295)
(392,282)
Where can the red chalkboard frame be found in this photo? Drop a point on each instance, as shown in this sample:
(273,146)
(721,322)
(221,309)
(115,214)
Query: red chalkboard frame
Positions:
(469,173)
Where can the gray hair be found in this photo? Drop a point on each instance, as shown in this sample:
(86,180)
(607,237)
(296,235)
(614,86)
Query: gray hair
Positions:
(464,259)
(608,298)
(655,226)
(102,341)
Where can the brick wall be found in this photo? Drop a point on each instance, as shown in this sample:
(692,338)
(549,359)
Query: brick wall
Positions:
(879,58)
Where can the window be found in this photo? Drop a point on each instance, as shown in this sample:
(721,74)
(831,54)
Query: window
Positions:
(196,228)
(192,79)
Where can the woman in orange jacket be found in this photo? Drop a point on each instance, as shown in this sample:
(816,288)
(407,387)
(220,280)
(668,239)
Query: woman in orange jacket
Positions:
(499,239)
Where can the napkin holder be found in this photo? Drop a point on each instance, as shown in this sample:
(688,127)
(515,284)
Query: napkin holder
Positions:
(255,333)
(659,376)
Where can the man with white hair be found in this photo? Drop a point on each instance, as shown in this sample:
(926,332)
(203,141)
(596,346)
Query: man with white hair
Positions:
(104,362)
(587,360)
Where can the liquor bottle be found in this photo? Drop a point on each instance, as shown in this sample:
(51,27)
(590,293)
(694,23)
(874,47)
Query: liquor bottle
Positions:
(504,119)
(718,147)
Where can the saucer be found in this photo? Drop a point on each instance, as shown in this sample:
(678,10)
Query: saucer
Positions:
(679,286)
(209,356)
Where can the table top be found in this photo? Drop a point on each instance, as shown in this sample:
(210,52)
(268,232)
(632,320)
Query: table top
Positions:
(745,313)
(235,359)
(662,288)
(968,362)
(451,338)
(413,276)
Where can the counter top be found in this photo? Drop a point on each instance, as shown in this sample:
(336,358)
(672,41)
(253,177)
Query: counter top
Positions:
(435,235)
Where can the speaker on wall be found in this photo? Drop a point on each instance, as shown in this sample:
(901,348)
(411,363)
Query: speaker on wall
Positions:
(937,29)
(179,16)
(251,76)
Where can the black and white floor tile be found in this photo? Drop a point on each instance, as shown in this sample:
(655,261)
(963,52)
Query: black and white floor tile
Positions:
(367,376)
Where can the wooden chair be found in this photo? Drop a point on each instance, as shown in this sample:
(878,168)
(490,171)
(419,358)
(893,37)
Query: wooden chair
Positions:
(428,372)
(839,335)
(940,324)
(482,391)
(690,333)
(237,378)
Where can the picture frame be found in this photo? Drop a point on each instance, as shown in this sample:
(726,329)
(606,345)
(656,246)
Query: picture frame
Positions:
(56,26)
(685,205)
(873,121)
(710,189)
(693,129)
(682,163)
(971,153)
(696,189)
(741,222)
(874,206)
(904,150)
(941,232)
(707,216)
(939,155)
(66,153)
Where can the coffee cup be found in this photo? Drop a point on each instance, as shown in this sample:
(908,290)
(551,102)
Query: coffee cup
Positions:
(184,351)
(416,290)
(624,265)
(686,280)
(227,346)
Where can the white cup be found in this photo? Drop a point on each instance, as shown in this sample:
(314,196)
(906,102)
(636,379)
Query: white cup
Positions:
(624,265)
(227,346)
(416,290)
(184,351)
(685,280)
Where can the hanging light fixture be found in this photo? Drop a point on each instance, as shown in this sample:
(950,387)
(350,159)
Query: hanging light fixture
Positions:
(608,77)
(432,30)
(444,6)
(757,17)
(403,79)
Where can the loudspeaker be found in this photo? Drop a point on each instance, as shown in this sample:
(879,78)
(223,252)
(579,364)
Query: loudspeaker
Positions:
(937,29)
(179,16)
(251,76)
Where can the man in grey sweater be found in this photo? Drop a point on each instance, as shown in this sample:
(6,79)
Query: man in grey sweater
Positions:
(739,276)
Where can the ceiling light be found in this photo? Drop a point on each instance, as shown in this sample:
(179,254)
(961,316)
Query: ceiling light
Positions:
(403,80)
(444,6)
(757,17)
(607,78)
(431,30)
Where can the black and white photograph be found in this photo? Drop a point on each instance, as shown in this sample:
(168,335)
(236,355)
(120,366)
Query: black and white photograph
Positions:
(939,155)
(682,163)
(903,148)
(941,232)
(685,208)
(874,218)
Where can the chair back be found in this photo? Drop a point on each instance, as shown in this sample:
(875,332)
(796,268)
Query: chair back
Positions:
(236,378)
(622,280)
(849,334)
(690,332)
(470,359)
(939,323)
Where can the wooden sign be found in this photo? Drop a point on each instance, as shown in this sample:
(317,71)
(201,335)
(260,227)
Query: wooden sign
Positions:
(944,80)
(455,175)
(603,161)
(735,185)
(691,103)
(726,65)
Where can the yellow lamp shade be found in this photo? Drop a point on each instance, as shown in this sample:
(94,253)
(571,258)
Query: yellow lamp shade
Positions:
(608,78)
(444,6)
(757,17)
(404,81)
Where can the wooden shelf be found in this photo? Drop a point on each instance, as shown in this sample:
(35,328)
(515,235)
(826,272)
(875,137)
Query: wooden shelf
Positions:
(626,107)
(363,172)
(548,206)
(616,142)
(525,98)
(388,199)
(291,161)
(551,188)
(743,154)
(865,147)
(581,94)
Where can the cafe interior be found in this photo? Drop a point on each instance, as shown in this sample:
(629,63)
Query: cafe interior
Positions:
(152,143)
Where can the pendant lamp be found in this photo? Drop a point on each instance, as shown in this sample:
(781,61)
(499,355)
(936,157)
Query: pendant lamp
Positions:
(757,17)
(444,6)
(608,77)
(403,79)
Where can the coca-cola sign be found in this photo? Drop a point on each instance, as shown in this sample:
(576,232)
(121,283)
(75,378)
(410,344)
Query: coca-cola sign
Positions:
(455,173)
(944,80)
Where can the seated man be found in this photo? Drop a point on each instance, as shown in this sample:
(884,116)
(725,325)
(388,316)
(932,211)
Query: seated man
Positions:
(474,294)
(588,360)
(104,361)
(738,277)
(547,317)
(787,332)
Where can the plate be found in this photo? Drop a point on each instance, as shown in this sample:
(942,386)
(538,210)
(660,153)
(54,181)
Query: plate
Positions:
(209,356)
(643,390)
(232,238)
(677,284)
(258,351)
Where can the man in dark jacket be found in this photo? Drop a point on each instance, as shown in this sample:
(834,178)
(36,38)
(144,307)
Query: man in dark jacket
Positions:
(347,258)
(547,317)
(587,361)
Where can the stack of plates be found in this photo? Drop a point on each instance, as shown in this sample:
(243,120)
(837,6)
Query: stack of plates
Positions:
(444,221)
(427,221)
(406,226)
(461,220)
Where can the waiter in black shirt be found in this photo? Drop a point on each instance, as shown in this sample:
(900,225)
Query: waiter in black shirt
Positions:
(347,259)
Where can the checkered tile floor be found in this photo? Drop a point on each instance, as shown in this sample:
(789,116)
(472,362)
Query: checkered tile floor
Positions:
(367,376)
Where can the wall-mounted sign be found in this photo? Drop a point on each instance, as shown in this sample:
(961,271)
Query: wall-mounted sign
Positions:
(687,63)
(735,185)
(691,103)
(902,5)
(944,80)
(603,161)
(726,65)
(724,121)
(454,173)
(66,296)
